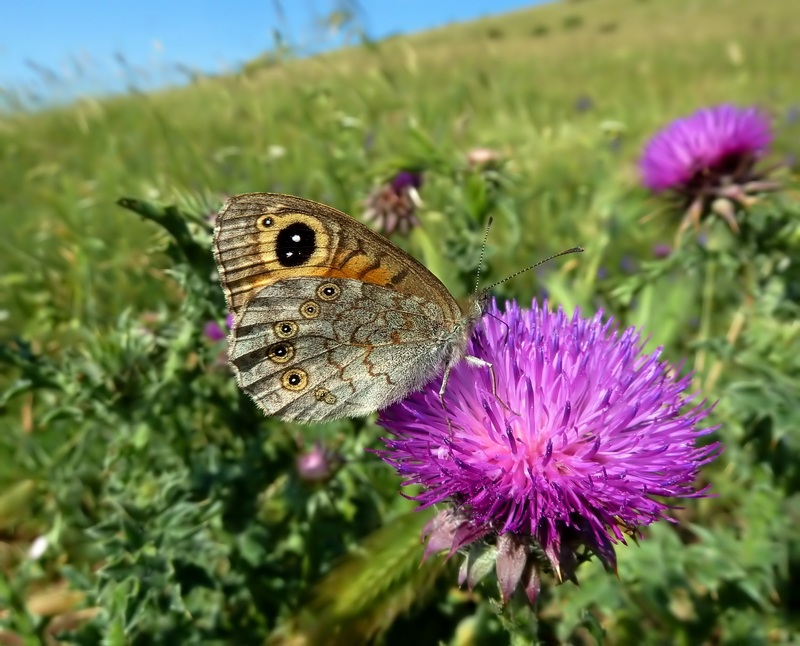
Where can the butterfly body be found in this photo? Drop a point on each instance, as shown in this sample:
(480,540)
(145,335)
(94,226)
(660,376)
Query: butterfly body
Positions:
(330,319)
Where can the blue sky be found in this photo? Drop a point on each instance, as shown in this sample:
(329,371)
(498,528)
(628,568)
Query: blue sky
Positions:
(62,48)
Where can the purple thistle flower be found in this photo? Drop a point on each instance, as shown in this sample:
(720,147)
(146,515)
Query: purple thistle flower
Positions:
(583,103)
(316,464)
(406,179)
(708,155)
(709,139)
(661,250)
(628,264)
(213,331)
(392,206)
(585,436)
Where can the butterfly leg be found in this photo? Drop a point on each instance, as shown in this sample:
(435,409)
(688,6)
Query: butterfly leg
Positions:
(472,361)
(445,379)
(475,362)
(480,363)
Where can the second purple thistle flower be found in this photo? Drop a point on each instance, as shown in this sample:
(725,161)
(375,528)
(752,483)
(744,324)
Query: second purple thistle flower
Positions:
(709,160)
(392,206)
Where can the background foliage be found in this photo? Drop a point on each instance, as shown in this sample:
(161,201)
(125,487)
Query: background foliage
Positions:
(144,499)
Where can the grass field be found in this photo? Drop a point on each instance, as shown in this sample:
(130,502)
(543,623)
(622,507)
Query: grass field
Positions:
(172,507)
(503,82)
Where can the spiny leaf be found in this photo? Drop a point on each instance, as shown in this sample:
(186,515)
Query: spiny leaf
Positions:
(171,220)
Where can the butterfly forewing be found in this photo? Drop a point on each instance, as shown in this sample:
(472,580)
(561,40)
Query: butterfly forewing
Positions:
(331,319)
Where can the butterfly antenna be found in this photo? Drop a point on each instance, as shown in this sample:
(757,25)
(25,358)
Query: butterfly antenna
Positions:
(533,266)
(483,252)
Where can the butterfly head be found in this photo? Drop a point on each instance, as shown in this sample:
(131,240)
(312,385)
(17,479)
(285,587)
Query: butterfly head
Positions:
(480,303)
(474,308)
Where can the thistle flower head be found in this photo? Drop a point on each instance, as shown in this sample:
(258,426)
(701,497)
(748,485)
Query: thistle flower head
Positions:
(392,206)
(707,156)
(316,464)
(405,180)
(661,250)
(586,433)
(214,332)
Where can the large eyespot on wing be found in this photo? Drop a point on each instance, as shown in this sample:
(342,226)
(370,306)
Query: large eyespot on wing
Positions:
(260,238)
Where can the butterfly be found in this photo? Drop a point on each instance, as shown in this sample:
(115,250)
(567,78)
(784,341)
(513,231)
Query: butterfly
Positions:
(331,319)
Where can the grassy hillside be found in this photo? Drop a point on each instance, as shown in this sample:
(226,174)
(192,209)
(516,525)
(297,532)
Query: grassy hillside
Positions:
(510,82)
(143,497)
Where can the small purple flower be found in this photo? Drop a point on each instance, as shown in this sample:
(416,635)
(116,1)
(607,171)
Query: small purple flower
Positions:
(369,141)
(615,143)
(392,206)
(585,437)
(316,464)
(583,103)
(709,154)
(405,180)
(213,331)
(661,250)
(628,264)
